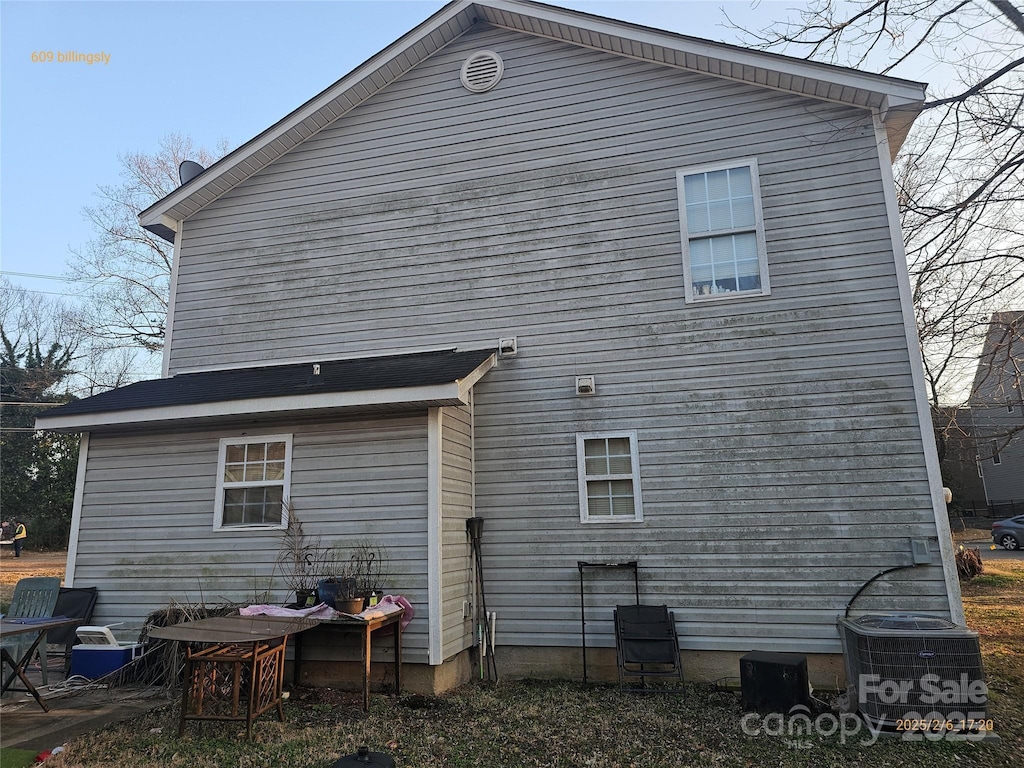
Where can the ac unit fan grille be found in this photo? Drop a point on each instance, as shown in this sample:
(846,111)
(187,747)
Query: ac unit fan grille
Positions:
(908,663)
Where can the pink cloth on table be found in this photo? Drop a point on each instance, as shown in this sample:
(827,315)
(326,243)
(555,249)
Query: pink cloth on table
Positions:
(321,611)
(390,604)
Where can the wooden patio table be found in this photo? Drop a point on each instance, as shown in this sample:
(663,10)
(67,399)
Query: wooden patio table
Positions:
(14,626)
(241,649)
(364,627)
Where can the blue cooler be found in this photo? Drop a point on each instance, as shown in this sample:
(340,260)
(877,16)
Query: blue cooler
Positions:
(98,654)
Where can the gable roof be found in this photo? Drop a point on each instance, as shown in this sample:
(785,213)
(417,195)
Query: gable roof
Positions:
(898,101)
(997,378)
(391,382)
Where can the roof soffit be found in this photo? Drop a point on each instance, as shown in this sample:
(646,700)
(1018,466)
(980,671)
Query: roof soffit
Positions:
(898,101)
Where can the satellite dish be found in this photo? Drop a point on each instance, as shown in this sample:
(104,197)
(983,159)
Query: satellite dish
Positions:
(188,170)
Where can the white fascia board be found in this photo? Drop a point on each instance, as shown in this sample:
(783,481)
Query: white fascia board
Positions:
(906,90)
(447,394)
(924,418)
(165,363)
(466,384)
(155,213)
(76,511)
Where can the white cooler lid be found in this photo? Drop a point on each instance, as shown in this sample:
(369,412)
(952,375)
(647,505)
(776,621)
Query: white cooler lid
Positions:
(96,636)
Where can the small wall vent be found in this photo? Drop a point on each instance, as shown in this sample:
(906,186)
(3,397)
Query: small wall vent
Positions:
(482,71)
(586,385)
(508,347)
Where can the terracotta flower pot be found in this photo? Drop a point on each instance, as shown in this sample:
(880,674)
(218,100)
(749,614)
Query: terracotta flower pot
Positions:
(349,605)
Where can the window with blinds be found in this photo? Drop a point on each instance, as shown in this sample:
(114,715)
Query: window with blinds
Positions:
(724,253)
(609,477)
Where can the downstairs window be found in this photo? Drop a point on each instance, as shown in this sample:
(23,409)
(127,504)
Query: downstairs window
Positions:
(253,480)
(609,477)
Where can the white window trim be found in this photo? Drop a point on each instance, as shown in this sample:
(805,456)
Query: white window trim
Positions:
(218,509)
(762,248)
(581,471)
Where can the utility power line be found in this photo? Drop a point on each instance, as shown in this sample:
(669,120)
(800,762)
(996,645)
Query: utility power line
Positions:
(40,277)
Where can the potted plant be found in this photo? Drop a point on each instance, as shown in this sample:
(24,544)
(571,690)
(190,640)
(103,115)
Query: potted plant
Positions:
(370,566)
(299,559)
(340,589)
(355,574)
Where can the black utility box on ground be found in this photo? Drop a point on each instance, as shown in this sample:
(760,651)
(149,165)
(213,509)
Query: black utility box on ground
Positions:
(774,682)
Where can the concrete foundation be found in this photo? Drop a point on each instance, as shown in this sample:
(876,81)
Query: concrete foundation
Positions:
(825,671)
(416,678)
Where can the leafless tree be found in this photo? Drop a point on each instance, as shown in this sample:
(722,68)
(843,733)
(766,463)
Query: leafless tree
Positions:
(39,323)
(960,175)
(124,270)
(27,318)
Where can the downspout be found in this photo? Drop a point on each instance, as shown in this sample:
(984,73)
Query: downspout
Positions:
(434,559)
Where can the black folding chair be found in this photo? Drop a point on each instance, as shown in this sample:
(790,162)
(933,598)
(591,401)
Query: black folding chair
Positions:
(75,603)
(647,647)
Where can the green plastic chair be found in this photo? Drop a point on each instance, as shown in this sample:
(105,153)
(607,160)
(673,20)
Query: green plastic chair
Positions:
(33,598)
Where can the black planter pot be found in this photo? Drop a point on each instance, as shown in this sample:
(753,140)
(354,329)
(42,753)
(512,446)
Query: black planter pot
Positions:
(363,758)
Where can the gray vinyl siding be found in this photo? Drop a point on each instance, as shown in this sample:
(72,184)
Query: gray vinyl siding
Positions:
(780,450)
(456,508)
(147,535)
(996,427)
(997,409)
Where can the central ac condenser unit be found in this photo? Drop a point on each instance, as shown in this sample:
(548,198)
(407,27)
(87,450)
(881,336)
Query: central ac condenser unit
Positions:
(909,668)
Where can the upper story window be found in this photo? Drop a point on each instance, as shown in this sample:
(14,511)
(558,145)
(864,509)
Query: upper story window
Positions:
(724,253)
(253,479)
(609,477)
(995,453)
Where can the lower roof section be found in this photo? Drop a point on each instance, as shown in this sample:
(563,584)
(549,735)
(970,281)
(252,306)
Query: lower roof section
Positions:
(389,383)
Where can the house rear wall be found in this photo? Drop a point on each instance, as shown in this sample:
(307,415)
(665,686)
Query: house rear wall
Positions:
(781,456)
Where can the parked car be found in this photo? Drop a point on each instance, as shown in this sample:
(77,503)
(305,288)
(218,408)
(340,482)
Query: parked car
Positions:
(1009,533)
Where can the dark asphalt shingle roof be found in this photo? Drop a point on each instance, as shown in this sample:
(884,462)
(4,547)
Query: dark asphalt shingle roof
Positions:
(359,375)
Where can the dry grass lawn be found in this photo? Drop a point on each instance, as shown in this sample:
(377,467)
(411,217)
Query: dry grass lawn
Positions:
(29,564)
(532,723)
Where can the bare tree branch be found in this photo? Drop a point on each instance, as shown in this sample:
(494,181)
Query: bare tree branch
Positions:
(125,271)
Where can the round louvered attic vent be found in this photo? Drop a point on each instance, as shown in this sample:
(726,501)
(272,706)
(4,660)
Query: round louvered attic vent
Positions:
(482,71)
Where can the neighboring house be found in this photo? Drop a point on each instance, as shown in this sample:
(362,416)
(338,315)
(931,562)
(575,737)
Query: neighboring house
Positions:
(958,457)
(997,413)
(708,232)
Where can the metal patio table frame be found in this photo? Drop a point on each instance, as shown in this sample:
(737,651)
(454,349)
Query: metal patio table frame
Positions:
(366,627)
(239,649)
(14,626)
